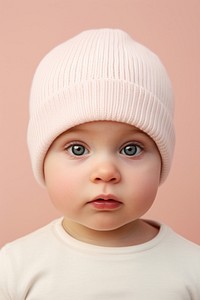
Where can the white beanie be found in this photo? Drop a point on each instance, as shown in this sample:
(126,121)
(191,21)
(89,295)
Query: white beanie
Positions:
(100,74)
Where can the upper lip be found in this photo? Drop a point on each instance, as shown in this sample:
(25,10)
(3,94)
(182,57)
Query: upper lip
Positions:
(106,197)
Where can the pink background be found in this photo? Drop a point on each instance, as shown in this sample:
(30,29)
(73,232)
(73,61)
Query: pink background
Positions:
(29,29)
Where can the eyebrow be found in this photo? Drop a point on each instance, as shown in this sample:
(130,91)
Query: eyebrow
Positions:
(76,129)
(136,130)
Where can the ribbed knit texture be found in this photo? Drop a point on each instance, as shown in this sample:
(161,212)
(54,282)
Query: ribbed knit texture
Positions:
(100,74)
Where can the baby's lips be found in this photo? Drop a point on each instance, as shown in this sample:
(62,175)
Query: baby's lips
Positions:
(106,197)
(105,202)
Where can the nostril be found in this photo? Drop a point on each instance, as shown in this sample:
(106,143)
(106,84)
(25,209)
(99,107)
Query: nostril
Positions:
(106,179)
(113,179)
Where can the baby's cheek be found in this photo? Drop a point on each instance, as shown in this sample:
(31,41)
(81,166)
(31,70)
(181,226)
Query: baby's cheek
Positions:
(151,188)
(65,187)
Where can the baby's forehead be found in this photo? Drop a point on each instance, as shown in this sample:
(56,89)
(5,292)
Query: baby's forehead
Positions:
(103,124)
(97,128)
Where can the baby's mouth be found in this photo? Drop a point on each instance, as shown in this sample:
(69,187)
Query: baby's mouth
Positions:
(105,202)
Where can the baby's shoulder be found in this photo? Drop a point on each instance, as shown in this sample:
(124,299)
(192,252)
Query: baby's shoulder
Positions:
(31,241)
(182,248)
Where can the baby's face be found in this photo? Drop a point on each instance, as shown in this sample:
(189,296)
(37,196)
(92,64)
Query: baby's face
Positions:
(102,175)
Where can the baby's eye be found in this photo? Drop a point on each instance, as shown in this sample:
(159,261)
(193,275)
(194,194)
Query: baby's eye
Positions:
(131,150)
(77,150)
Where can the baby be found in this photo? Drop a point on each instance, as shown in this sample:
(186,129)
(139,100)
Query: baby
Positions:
(101,141)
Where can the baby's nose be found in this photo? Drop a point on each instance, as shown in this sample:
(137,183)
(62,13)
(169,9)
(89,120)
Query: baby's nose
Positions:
(105,172)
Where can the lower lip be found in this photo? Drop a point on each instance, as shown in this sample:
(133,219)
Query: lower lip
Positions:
(105,204)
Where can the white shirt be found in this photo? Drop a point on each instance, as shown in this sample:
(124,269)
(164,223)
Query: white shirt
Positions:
(49,264)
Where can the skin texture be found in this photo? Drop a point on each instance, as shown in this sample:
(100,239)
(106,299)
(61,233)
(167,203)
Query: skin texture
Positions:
(103,176)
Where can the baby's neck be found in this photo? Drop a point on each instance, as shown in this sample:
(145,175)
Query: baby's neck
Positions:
(134,233)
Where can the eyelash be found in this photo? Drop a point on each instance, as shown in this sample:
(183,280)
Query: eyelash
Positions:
(138,149)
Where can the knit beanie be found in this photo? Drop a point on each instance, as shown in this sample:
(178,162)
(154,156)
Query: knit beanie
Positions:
(100,74)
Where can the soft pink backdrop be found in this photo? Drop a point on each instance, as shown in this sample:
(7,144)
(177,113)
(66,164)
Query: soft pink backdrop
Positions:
(29,29)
